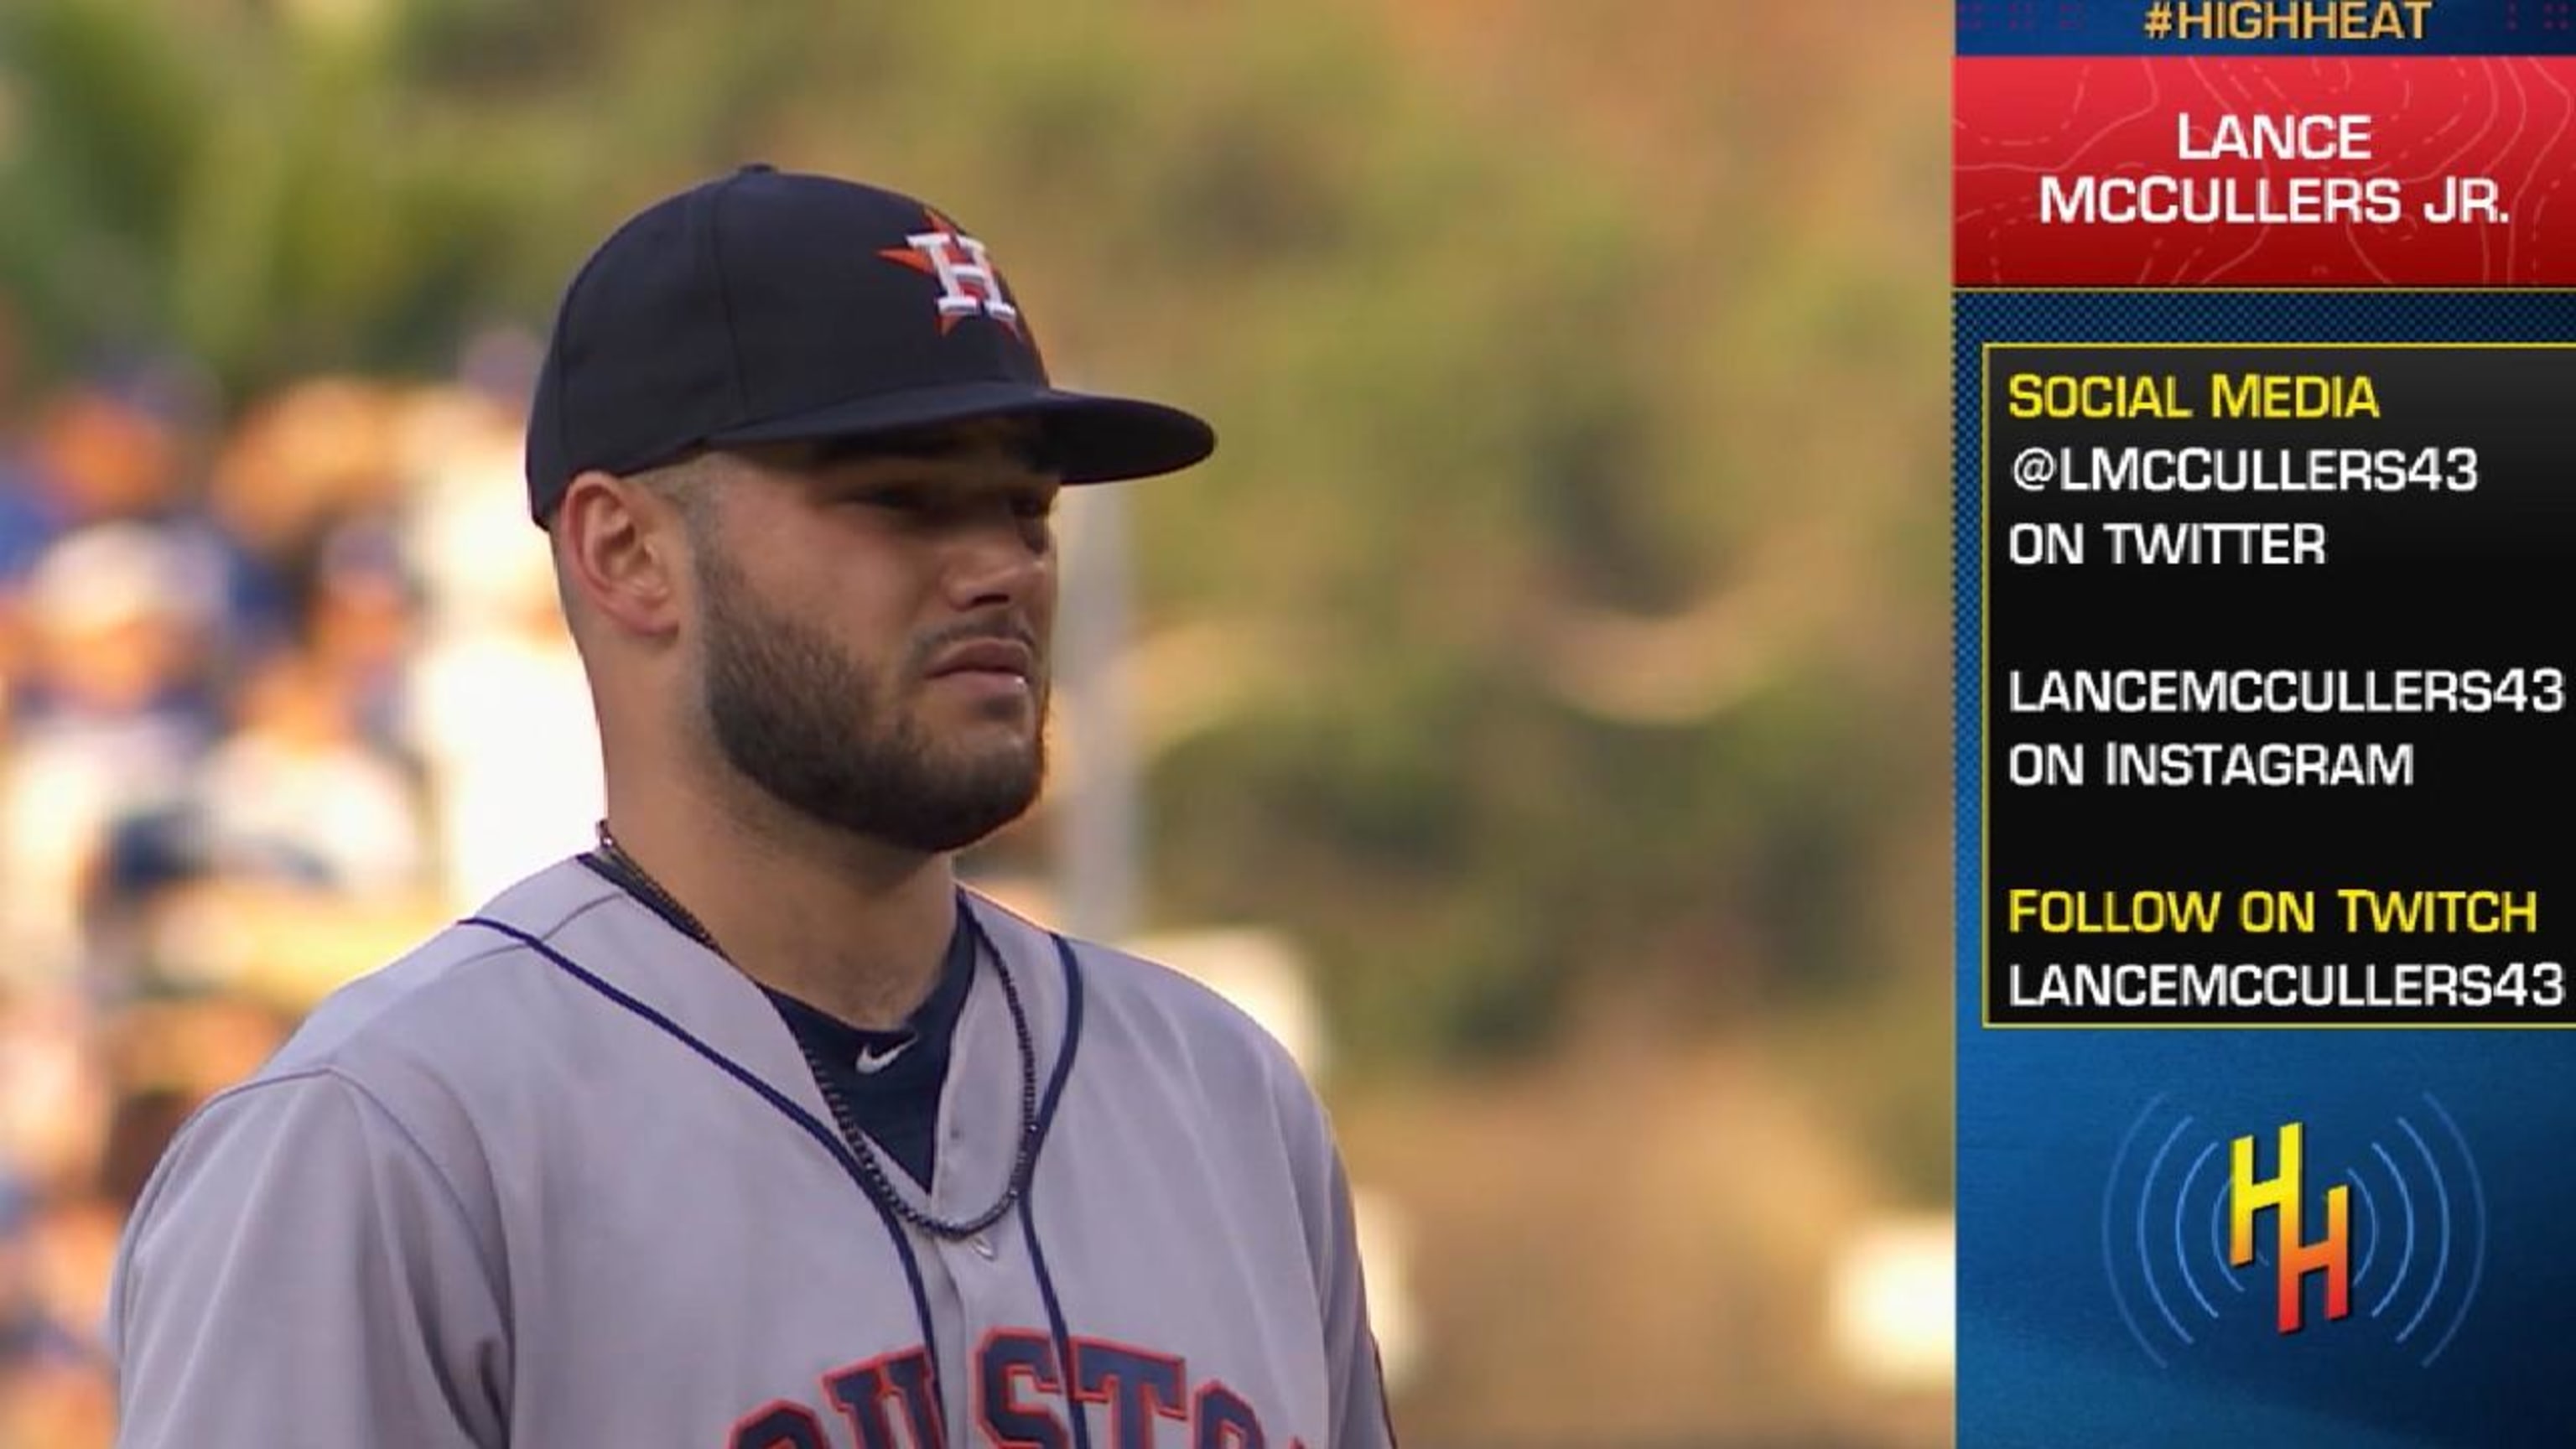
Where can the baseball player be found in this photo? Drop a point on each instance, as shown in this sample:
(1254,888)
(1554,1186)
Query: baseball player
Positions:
(750,1128)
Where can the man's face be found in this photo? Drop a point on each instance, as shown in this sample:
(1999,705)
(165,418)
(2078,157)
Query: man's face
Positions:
(875,628)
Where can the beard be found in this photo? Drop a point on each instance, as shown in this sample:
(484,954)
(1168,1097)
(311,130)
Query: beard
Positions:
(798,717)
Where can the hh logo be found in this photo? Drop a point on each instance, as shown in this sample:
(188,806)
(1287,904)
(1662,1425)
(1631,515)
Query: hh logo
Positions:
(968,285)
(2297,1257)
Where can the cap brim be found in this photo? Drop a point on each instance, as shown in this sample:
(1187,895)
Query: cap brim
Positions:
(1094,439)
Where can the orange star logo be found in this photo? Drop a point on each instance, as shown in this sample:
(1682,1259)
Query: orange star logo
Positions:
(968,284)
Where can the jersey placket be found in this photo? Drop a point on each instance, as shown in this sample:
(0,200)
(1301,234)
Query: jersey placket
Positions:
(986,1271)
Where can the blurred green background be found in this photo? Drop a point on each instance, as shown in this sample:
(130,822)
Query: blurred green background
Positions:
(1548,677)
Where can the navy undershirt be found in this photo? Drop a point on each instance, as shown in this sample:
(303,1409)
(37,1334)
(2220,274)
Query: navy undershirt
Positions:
(897,1104)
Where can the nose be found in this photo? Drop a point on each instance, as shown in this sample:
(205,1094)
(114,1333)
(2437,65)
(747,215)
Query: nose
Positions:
(1004,559)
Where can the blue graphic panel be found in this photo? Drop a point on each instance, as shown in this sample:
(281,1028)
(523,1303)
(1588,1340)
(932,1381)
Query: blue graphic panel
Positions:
(2101,1300)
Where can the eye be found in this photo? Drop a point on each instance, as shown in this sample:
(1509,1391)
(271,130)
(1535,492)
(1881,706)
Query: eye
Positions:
(902,497)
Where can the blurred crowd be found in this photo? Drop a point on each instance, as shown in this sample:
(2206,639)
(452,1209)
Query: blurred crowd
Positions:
(283,686)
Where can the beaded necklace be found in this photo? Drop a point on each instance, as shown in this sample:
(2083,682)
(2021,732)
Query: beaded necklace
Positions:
(623,869)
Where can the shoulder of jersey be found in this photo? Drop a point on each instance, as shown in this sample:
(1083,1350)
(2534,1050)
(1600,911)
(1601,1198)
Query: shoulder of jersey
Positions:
(450,995)
(1124,990)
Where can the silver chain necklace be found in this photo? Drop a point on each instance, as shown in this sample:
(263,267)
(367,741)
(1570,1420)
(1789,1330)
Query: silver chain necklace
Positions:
(872,1175)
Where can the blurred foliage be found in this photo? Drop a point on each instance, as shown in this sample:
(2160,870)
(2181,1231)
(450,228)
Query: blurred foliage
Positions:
(1576,539)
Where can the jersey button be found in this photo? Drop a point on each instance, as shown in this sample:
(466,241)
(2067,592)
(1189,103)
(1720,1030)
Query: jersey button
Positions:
(982,1245)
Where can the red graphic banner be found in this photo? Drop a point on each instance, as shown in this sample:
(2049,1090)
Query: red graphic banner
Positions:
(2282,171)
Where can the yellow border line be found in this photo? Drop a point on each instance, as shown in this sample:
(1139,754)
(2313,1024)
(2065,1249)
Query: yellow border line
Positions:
(1985,705)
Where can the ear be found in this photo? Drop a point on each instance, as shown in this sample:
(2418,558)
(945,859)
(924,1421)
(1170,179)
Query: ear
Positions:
(624,553)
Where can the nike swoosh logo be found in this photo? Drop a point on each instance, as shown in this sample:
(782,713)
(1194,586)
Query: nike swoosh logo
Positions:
(871,1061)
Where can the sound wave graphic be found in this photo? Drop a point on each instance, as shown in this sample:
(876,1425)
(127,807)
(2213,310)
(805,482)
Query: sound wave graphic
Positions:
(2419,1230)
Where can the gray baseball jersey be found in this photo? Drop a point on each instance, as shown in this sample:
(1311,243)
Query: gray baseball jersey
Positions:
(561,1177)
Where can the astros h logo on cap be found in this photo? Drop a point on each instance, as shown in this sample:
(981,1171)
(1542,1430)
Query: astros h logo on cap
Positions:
(967,282)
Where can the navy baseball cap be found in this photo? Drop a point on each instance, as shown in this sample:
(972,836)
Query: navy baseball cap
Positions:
(766,306)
